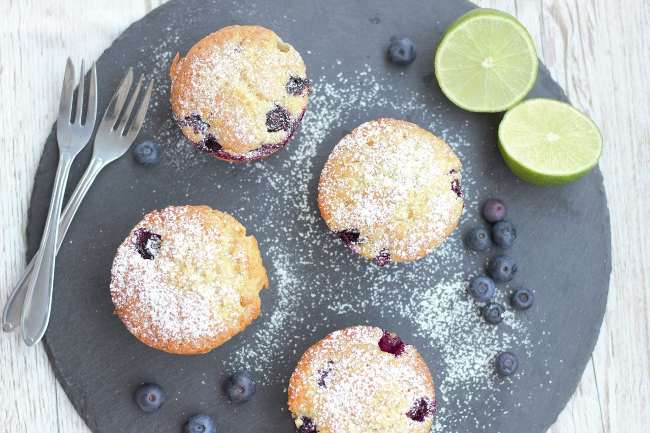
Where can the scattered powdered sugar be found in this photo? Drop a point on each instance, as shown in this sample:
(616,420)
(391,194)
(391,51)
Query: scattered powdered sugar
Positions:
(318,286)
(158,67)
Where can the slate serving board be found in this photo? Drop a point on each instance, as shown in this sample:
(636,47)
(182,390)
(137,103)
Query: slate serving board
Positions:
(316,285)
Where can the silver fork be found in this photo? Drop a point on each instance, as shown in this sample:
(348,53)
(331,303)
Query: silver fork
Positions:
(111,142)
(72,135)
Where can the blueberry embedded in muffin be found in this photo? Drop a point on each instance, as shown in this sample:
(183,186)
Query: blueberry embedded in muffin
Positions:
(305,425)
(383,258)
(361,379)
(278,119)
(298,86)
(391,343)
(146,243)
(421,409)
(350,237)
(391,191)
(323,373)
(240,93)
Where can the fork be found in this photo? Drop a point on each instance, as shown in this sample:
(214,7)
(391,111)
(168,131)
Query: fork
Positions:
(72,134)
(111,142)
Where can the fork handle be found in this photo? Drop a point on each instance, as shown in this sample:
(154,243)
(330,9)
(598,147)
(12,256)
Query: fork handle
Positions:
(36,308)
(12,309)
(94,167)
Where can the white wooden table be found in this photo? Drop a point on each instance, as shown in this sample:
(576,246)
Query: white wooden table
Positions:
(598,50)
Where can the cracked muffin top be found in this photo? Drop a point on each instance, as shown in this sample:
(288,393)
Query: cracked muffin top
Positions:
(391,191)
(187,278)
(362,379)
(239,93)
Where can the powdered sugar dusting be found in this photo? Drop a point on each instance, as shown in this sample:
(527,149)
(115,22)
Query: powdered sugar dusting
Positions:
(428,295)
(391,181)
(177,291)
(306,260)
(235,81)
(345,378)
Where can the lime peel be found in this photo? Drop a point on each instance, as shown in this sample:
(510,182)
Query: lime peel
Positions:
(548,142)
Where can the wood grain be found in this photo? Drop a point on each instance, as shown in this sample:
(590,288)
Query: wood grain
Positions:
(598,51)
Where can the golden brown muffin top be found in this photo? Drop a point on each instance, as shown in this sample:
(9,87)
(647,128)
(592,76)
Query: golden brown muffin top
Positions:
(391,188)
(359,380)
(241,85)
(187,278)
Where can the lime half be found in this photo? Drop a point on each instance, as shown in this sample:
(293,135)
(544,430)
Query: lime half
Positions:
(486,61)
(548,142)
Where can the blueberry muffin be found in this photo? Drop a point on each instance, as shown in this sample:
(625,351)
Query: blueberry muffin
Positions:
(186,279)
(239,93)
(391,191)
(360,380)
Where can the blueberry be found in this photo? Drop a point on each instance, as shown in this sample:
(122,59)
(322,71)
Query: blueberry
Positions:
(200,424)
(477,239)
(323,373)
(297,85)
(401,50)
(391,343)
(481,288)
(493,313)
(349,236)
(149,397)
(196,122)
(504,234)
(455,187)
(147,243)
(522,299)
(383,258)
(278,119)
(421,409)
(211,144)
(240,387)
(502,268)
(147,152)
(506,364)
(306,425)
(494,210)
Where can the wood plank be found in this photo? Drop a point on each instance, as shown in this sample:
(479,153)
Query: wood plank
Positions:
(26,376)
(617,88)
(37,36)
(594,49)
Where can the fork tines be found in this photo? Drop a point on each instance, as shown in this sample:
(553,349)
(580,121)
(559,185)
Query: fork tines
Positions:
(116,118)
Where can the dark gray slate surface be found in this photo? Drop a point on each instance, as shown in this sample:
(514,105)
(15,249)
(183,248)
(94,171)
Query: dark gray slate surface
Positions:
(563,250)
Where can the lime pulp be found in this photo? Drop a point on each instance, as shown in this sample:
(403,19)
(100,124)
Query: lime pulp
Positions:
(486,61)
(548,142)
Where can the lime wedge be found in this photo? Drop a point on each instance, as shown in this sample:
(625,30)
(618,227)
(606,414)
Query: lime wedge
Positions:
(486,61)
(548,142)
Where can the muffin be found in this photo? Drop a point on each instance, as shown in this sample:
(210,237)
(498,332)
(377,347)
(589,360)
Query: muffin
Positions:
(391,191)
(186,279)
(360,380)
(239,93)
